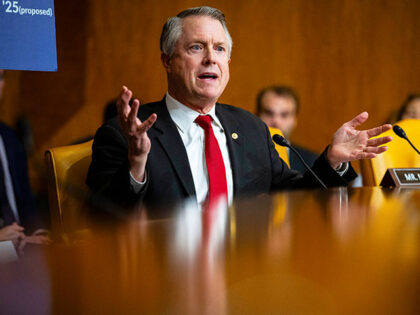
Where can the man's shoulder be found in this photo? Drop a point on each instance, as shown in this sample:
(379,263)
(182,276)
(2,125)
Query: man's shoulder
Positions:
(152,105)
(231,108)
(237,112)
(145,110)
(229,112)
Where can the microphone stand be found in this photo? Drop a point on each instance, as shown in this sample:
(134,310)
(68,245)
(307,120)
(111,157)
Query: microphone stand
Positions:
(284,143)
(401,133)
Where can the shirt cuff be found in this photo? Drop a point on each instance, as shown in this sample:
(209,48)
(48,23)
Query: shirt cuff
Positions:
(342,169)
(136,185)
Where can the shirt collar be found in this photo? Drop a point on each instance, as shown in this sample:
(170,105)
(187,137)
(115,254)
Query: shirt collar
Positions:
(183,116)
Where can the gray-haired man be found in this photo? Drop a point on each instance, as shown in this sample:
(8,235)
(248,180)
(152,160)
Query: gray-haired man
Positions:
(158,154)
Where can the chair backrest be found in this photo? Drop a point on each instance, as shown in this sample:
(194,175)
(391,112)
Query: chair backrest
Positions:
(399,154)
(282,151)
(67,168)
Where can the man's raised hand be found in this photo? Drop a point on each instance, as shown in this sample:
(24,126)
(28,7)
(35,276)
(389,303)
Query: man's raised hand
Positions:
(135,131)
(349,144)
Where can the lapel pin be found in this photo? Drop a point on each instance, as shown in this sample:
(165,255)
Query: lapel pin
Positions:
(234,136)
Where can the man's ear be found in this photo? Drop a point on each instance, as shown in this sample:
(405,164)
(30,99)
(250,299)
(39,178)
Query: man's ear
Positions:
(166,61)
(229,61)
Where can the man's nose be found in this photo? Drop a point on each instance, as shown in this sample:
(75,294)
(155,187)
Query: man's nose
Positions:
(209,56)
(277,122)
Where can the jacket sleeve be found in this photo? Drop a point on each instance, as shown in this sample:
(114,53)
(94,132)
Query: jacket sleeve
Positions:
(108,175)
(285,178)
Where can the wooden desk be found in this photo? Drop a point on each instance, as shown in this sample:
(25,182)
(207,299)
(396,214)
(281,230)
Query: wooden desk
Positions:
(341,251)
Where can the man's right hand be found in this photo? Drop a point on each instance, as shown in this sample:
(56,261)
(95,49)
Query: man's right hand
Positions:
(135,132)
(12,232)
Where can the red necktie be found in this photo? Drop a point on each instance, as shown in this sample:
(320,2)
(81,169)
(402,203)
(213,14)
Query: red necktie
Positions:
(214,162)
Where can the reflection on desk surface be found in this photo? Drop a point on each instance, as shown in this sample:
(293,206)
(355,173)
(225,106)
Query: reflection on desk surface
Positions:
(338,251)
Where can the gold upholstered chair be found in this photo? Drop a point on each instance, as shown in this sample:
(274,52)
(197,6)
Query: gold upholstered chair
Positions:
(282,151)
(399,154)
(67,168)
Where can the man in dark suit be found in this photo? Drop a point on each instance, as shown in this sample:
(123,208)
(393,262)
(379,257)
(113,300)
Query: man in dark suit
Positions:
(189,146)
(278,107)
(19,221)
(23,222)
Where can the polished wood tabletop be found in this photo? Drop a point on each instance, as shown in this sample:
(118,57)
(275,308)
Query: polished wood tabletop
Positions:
(336,251)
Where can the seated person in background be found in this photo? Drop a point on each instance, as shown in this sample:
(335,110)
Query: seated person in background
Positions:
(17,208)
(410,109)
(189,146)
(278,107)
(18,214)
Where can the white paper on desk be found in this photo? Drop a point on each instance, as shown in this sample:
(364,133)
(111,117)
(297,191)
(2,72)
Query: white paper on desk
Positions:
(7,252)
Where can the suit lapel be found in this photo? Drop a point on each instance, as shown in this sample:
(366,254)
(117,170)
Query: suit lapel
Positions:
(235,140)
(166,133)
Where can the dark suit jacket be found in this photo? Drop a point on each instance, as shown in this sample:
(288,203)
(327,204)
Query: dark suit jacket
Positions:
(18,169)
(256,166)
(308,156)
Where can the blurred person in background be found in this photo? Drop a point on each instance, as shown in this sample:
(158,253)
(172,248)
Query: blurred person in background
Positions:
(19,221)
(278,107)
(410,109)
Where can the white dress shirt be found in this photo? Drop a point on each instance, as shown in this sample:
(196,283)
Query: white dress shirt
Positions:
(192,136)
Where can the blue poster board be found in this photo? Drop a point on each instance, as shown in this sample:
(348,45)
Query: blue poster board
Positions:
(27,35)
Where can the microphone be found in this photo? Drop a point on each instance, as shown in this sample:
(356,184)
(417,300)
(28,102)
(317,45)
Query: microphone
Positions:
(401,133)
(284,143)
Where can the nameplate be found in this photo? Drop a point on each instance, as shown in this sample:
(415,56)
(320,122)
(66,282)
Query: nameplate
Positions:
(401,177)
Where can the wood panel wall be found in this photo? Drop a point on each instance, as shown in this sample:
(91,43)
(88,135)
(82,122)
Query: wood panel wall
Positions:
(342,56)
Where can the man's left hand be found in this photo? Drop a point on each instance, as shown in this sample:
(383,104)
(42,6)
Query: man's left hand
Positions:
(40,236)
(350,144)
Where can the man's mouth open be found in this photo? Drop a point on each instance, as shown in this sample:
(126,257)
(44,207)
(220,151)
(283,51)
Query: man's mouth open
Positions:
(208,76)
